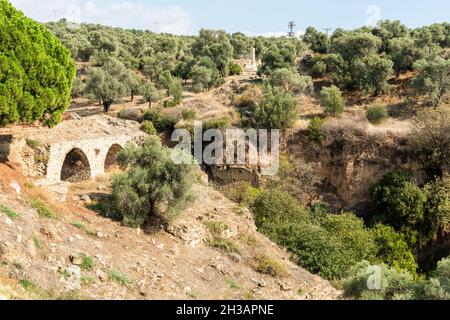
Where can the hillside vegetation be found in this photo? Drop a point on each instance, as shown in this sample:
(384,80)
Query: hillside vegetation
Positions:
(370,102)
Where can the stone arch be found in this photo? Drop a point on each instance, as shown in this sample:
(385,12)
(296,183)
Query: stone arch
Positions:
(76,166)
(110,159)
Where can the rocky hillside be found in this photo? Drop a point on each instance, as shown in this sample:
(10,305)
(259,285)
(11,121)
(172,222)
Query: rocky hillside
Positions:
(59,250)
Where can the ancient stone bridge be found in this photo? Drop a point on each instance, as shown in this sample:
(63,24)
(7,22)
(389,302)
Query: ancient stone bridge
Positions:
(73,151)
(82,159)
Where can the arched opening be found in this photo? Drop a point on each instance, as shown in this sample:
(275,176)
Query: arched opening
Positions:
(110,160)
(76,167)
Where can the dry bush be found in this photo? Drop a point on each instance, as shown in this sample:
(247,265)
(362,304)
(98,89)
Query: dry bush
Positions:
(431,139)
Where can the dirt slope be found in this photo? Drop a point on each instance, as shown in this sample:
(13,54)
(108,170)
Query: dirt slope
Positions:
(43,255)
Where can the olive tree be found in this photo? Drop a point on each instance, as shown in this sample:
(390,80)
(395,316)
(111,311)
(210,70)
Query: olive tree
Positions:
(278,110)
(151,93)
(108,83)
(291,81)
(318,41)
(433,78)
(153,186)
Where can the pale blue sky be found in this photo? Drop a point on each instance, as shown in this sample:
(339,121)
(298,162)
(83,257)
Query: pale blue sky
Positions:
(251,16)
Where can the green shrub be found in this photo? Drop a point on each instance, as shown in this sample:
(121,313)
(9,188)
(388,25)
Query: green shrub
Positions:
(170,103)
(10,213)
(82,227)
(42,209)
(278,110)
(268,265)
(350,230)
(319,69)
(87,263)
(148,127)
(315,132)
(235,69)
(400,203)
(332,101)
(161,122)
(314,248)
(153,186)
(387,283)
(328,245)
(118,277)
(376,114)
(224,245)
(188,114)
(220,123)
(273,208)
(217,228)
(33,143)
(432,78)
(291,81)
(393,249)
(242,192)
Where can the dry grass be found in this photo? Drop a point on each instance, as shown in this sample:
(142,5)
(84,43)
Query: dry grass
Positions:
(268,265)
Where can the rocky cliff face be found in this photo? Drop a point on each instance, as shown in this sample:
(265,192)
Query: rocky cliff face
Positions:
(351,161)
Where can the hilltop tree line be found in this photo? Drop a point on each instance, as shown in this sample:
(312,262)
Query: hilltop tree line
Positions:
(123,63)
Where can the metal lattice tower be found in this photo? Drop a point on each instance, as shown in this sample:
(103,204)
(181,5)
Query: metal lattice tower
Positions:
(291,27)
(327,30)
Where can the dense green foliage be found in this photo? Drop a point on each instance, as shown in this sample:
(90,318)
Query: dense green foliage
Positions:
(148,127)
(36,71)
(315,132)
(433,78)
(376,114)
(278,110)
(290,81)
(162,122)
(420,214)
(394,284)
(431,140)
(107,83)
(153,186)
(332,101)
(325,244)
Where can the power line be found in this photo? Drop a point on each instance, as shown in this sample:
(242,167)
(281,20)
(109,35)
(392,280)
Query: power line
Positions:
(327,30)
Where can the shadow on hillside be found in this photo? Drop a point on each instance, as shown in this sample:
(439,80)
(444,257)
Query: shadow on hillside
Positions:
(402,110)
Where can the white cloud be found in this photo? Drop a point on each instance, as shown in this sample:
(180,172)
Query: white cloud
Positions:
(117,13)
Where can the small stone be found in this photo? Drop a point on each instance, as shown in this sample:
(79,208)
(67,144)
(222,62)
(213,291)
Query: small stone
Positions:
(160,246)
(285,287)
(101,188)
(262,284)
(76,259)
(159,276)
(74,279)
(234,257)
(98,234)
(187,290)
(15,185)
(19,238)
(102,276)
(8,221)
(86,198)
